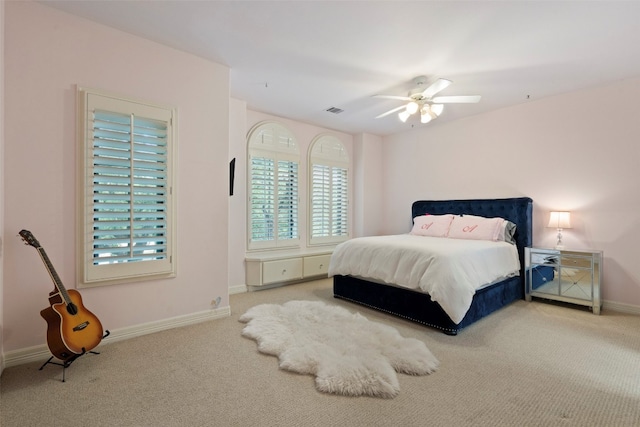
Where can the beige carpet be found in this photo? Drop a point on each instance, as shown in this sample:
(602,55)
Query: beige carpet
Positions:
(530,364)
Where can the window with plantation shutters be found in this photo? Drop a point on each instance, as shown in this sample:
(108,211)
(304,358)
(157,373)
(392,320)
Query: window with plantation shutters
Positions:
(273,187)
(127,200)
(328,191)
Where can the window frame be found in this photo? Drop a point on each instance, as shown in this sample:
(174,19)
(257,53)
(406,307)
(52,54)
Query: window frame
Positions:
(91,273)
(335,157)
(260,147)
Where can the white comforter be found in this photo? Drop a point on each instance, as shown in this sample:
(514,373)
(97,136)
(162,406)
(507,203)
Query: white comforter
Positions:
(449,270)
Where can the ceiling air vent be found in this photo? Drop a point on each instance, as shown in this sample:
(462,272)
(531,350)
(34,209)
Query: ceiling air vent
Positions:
(334,110)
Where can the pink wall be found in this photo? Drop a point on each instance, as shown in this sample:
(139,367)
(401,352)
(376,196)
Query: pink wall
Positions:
(1,183)
(48,53)
(368,180)
(576,152)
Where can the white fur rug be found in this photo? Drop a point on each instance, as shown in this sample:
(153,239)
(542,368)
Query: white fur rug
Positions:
(347,353)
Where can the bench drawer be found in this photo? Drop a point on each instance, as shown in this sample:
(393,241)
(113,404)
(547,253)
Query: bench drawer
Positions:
(316,265)
(281,270)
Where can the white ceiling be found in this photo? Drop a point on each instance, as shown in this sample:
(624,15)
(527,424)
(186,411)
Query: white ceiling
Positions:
(295,59)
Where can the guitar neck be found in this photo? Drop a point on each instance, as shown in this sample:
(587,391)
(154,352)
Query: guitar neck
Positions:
(54,275)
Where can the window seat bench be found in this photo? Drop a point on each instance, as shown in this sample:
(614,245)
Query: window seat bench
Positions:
(275,268)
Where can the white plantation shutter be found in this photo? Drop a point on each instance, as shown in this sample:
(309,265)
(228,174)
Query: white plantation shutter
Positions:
(321,201)
(128,200)
(273,187)
(262,206)
(329,191)
(339,202)
(287,200)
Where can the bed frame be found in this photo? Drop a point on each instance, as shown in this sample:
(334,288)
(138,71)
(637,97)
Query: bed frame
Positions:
(419,307)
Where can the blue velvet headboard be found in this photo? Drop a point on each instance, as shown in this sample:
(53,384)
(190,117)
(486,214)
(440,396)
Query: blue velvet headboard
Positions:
(517,210)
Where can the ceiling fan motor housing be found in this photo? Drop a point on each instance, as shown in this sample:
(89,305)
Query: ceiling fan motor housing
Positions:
(417,96)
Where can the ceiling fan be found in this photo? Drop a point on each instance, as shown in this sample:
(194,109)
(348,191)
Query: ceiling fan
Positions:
(421,98)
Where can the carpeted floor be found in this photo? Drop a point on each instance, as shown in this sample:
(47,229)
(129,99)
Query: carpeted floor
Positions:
(529,364)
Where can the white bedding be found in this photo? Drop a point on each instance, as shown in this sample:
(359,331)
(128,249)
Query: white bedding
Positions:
(449,270)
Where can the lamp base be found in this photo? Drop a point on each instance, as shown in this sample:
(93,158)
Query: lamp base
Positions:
(559,244)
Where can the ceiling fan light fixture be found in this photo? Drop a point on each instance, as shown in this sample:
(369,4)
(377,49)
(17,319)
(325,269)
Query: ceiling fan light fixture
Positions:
(403,115)
(425,101)
(425,117)
(412,107)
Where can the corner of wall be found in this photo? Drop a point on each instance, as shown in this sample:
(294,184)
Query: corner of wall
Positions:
(237,202)
(368,184)
(1,186)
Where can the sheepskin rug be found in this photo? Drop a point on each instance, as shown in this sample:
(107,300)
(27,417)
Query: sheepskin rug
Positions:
(348,354)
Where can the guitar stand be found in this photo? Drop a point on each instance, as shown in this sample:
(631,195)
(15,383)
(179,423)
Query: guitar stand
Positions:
(65,364)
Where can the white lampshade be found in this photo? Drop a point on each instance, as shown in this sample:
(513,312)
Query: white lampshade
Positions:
(412,107)
(428,112)
(437,109)
(560,220)
(424,115)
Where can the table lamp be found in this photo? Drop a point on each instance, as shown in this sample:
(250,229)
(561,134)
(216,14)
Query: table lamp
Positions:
(559,221)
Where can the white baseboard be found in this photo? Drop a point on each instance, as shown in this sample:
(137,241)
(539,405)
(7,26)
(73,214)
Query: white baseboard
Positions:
(620,307)
(41,352)
(239,289)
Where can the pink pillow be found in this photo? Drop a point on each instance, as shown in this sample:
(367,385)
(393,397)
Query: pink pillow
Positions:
(475,228)
(431,225)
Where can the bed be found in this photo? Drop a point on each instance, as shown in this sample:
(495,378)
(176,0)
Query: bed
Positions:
(418,306)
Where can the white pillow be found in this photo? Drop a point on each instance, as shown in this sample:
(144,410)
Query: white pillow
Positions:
(431,225)
(476,228)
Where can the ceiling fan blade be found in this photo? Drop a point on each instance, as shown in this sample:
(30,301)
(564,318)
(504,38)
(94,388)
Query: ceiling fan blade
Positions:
(402,98)
(436,87)
(470,99)
(392,111)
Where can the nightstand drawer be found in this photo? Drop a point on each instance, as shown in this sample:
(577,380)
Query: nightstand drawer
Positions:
(575,261)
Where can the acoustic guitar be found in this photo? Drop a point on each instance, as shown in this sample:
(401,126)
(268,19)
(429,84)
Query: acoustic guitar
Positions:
(72,329)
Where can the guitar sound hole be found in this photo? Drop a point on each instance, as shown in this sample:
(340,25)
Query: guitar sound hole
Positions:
(72,309)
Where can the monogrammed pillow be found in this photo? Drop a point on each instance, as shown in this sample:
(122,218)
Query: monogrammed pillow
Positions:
(431,225)
(475,228)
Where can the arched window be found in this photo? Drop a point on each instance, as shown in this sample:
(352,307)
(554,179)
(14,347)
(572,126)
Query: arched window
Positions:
(328,191)
(274,160)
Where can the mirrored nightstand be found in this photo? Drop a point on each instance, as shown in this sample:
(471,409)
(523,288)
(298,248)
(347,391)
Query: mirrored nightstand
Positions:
(572,276)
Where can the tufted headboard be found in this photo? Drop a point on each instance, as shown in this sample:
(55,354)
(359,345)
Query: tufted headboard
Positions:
(517,210)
